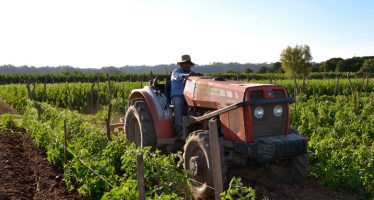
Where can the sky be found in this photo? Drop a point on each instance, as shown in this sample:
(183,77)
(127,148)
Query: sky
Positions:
(93,34)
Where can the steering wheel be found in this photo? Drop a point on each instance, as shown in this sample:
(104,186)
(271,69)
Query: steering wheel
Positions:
(155,81)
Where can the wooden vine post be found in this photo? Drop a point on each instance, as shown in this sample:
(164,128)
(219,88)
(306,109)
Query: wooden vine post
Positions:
(65,142)
(352,92)
(92,95)
(44,89)
(216,158)
(31,97)
(123,86)
(98,93)
(337,86)
(68,95)
(296,87)
(303,86)
(29,91)
(350,83)
(109,108)
(140,176)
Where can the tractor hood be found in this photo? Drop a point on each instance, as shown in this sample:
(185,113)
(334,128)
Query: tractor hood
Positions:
(216,92)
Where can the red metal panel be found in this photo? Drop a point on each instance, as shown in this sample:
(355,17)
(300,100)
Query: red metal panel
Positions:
(248,123)
(228,133)
(237,124)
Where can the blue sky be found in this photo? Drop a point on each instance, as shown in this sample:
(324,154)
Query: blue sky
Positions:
(90,33)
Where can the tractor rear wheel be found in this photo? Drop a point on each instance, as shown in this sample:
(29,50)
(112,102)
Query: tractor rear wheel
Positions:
(139,127)
(197,159)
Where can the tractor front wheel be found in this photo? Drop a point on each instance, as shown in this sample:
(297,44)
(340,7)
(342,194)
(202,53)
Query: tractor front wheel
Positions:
(197,159)
(290,171)
(139,127)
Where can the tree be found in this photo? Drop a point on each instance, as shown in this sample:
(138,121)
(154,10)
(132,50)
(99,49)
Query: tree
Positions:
(349,65)
(342,66)
(367,68)
(296,62)
(262,70)
(330,64)
(248,70)
(276,68)
(316,67)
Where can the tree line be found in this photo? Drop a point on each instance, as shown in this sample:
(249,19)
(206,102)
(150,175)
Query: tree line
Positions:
(360,65)
(294,61)
(214,67)
(90,78)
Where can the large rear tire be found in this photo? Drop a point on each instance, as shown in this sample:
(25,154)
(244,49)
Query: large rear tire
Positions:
(139,127)
(197,159)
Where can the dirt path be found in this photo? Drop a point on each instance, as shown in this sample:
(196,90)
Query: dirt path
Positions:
(5,108)
(25,172)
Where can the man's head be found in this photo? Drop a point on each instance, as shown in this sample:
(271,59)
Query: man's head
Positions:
(186,62)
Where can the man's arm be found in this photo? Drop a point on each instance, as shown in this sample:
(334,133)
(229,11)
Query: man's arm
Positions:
(178,75)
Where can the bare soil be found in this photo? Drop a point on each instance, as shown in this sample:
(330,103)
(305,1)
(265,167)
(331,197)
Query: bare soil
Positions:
(311,189)
(5,108)
(25,172)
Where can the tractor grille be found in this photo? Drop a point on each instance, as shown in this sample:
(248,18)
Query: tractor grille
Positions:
(269,124)
(279,94)
(257,94)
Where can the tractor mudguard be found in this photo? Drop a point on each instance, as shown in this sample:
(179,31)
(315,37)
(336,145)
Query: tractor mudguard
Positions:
(160,110)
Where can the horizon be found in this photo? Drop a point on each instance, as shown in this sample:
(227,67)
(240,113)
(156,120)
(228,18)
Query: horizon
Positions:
(92,34)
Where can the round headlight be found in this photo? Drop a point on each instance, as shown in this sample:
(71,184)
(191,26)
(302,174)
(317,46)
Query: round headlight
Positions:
(259,112)
(278,110)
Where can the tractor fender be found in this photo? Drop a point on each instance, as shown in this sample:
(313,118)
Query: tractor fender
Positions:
(158,105)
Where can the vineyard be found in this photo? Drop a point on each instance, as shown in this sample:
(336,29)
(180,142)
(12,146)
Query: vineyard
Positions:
(89,78)
(336,115)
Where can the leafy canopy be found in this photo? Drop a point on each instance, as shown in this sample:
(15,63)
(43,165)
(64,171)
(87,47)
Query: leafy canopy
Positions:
(296,61)
(368,67)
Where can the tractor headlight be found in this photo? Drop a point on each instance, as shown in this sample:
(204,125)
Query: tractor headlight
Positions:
(278,110)
(259,112)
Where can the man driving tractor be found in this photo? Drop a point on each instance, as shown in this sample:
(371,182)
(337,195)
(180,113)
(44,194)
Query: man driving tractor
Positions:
(177,85)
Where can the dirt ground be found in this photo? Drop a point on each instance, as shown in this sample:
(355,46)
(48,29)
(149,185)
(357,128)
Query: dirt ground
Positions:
(25,172)
(265,188)
(5,108)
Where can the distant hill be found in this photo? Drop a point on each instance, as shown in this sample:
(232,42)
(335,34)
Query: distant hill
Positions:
(353,64)
(214,67)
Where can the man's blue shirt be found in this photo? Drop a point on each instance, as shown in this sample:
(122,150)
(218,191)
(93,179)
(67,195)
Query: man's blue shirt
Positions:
(177,85)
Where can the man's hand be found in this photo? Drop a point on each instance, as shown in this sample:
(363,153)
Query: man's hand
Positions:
(194,74)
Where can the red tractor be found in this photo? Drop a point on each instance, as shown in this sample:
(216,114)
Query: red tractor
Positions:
(253,127)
